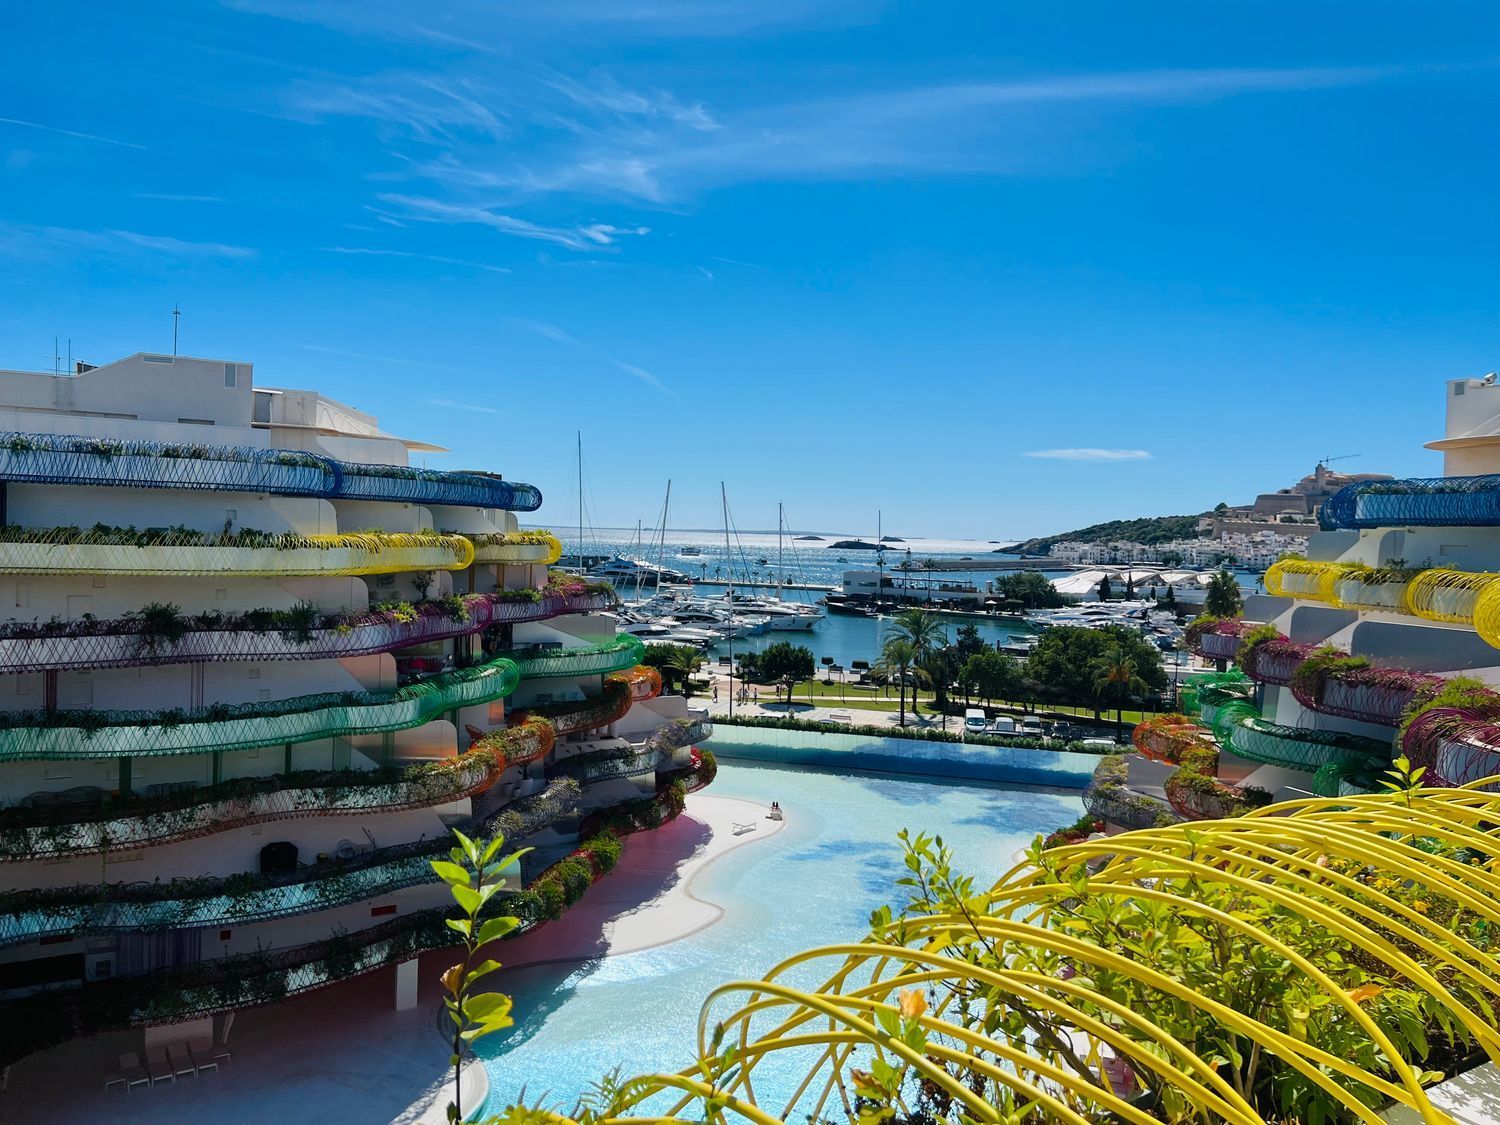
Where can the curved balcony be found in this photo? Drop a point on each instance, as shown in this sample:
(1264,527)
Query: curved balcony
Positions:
(1168,738)
(128,824)
(28,915)
(517,548)
(610,765)
(615,655)
(1275,661)
(1195,792)
(79,460)
(1365,694)
(217,638)
(1469,753)
(1218,639)
(222,984)
(1447,595)
(1304,579)
(63,735)
(1299,748)
(677,734)
(1110,799)
(643,681)
(170,554)
(575,716)
(1414,502)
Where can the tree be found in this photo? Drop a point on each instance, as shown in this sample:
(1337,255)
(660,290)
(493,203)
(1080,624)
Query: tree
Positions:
(922,628)
(1105,593)
(969,642)
(994,675)
(786,661)
(1066,659)
(1115,675)
(1032,588)
(938,668)
(897,658)
(1171,558)
(475,875)
(1223,596)
(674,661)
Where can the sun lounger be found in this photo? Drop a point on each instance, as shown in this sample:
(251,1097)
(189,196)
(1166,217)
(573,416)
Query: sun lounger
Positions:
(130,1075)
(182,1060)
(740,829)
(201,1058)
(159,1065)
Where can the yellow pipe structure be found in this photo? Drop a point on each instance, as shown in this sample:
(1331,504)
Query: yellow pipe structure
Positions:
(517,548)
(1333,902)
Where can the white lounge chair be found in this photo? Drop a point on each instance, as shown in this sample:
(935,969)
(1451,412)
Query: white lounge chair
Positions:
(741,829)
(201,1058)
(131,1073)
(221,1053)
(159,1065)
(182,1060)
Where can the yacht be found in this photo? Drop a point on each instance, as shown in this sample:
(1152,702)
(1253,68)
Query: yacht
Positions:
(689,552)
(623,570)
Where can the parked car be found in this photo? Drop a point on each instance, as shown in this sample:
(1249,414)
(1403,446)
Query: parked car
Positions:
(974,720)
(1002,724)
(1031,725)
(1099,745)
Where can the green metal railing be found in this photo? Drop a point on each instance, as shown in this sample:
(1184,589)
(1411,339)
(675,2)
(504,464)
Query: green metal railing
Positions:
(615,655)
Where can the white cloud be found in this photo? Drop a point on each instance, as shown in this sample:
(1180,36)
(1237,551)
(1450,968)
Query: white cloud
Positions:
(473,407)
(178,246)
(643,375)
(1089,454)
(586,237)
(364,250)
(69,132)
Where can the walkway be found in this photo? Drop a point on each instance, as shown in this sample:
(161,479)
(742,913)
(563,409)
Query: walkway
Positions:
(343,1054)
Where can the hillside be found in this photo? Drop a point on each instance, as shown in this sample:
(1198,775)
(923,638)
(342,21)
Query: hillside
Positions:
(1148,530)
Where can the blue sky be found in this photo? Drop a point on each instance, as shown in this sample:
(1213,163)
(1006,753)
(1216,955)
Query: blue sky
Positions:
(839,253)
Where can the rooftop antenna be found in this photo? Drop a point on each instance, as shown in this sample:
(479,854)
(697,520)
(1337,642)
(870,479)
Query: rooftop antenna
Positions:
(56,359)
(176,316)
(1341,457)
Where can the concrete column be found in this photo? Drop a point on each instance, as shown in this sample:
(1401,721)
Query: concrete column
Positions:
(406,984)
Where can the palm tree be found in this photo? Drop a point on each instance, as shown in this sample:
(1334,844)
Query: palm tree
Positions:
(1117,675)
(1222,598)
(923,631)
(938,668)
(684,661)
(897,658)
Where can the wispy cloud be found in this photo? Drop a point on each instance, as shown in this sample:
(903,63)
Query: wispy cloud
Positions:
(1089,454)
(373,252)
(69,133)
(612,97)
(706,272)
(643,375)
(472,407)
(169,245)
(542,328)
(172,197)
(588,237)
(428,107)
(45,240)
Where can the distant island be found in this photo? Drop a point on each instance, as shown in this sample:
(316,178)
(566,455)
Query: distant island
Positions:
(892,539)
(1147,530)
(854,545)
(810,538)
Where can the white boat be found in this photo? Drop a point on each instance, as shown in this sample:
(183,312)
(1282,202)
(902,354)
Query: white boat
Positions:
(622,569)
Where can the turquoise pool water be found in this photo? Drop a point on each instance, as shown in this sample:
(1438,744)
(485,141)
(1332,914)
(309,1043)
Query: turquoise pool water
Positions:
(814,882)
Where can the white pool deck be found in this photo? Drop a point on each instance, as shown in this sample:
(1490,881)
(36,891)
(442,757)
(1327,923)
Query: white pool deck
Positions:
(343,1054)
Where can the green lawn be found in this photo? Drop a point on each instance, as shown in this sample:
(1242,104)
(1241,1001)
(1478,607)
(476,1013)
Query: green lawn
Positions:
(870,698)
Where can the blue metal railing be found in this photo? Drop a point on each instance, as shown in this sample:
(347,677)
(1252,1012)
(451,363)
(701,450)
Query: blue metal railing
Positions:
(1414,502)
(75,459)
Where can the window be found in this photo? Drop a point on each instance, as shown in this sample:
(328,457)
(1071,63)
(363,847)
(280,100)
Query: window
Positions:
(1458,389)
(158,359)
(195,421)
(260,411)
(230,371)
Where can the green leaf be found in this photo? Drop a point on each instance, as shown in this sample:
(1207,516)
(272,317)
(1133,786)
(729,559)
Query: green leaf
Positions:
(486,1004)
(451,873)
(467,899)
(470,848)
(484,968)
(459,925)
(494,929)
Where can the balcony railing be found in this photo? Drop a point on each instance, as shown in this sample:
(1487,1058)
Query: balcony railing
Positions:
(1275,661)
(63,735)
(1368,695)
(212,638)
(1300,748)
(1167,738)
(78,460)
(517,548)
(643,681)
(29,833)
(576,716)
(169,554)
(1414,502)
(1110,799)
(616,655)
(1453,596)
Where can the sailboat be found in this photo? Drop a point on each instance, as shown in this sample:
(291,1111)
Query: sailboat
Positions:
(785,616)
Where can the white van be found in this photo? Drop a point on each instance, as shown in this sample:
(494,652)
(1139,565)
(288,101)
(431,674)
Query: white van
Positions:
(1031,725)
(1003,724)
(1099,745)
(974,720)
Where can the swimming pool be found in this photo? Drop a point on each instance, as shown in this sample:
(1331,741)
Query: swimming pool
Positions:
(814,882)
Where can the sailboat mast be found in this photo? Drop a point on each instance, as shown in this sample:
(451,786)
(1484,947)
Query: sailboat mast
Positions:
(724,497)
(579,434)
(780,574)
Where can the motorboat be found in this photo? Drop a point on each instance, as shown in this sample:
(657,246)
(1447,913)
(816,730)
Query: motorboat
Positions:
(622,569)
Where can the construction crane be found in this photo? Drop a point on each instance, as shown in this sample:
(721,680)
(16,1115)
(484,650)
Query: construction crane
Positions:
(1326,461)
